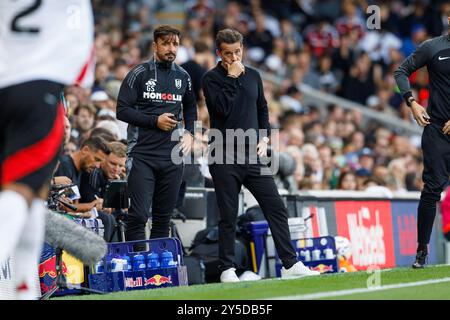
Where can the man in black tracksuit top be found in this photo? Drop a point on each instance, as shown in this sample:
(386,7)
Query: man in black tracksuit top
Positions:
(235,100)
(150,100)
(435,55)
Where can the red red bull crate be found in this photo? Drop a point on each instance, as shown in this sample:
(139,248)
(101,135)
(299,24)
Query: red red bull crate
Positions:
(123,269)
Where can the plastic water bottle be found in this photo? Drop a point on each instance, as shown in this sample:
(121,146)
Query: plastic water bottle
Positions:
(138,262)
(153,260)
(100,267)
(126,263)
(117,265)
(167,259)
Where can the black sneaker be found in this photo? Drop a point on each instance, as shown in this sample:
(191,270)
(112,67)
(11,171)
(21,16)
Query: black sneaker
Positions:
(421,260)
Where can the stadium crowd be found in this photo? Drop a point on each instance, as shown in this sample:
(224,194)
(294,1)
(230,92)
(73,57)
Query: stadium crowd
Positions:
(324,44)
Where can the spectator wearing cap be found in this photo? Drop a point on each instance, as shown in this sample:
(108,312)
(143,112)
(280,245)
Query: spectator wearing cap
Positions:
(100,100)
(418,35)
(112,127)
(366,161)
(365,167)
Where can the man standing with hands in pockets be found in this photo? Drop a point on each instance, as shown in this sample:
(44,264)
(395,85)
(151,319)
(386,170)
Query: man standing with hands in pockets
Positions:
(235,101)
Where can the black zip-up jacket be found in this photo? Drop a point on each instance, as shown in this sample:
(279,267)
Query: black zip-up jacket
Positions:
(149,90)
(235,103)
(435,55)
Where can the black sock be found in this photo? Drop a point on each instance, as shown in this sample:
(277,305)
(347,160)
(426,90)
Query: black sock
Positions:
(422,247)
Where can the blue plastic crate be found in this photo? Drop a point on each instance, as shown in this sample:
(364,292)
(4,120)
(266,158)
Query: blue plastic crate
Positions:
(172,276)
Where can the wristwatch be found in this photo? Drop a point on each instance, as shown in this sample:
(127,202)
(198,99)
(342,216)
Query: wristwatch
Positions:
(409,101)
(265,139)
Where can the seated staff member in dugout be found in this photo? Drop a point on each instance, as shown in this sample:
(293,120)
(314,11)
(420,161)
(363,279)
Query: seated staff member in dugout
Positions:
(40,52)
(93,185)
(435,55)
(152,99)
(235,100)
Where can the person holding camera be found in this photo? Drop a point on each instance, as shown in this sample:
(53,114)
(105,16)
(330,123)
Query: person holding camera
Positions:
(152,99)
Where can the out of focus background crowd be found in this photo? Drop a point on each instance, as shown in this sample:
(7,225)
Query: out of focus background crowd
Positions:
(325,45)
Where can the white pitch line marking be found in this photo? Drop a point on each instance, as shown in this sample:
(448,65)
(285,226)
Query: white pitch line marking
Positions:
(338,293)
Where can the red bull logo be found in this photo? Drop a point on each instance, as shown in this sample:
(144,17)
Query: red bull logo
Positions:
(48,267)
(158,280)
(322,268)
(47,273)
(131,283)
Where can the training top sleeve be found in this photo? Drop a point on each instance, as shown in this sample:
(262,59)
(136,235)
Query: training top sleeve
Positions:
(189,106)
(413,62)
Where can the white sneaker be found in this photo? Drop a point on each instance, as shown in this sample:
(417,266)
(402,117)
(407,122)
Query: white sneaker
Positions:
(229,275)
(249,276)
(298,270)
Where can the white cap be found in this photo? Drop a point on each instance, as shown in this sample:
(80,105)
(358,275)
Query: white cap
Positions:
(99,96)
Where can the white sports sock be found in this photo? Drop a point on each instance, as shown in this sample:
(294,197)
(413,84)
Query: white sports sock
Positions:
(29,251)
(13,215)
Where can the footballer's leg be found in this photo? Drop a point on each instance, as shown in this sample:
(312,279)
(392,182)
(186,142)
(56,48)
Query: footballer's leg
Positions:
(32,139)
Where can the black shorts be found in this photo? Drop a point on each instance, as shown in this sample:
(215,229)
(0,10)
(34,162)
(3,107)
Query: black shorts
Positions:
(31,132)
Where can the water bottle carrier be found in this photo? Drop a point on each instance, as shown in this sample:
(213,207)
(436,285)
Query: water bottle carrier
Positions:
(110,280)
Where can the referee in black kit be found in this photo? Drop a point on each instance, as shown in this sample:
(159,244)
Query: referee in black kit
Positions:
(235,100)
(152,99)
(435,55)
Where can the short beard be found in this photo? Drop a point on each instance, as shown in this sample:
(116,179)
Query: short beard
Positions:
(164,59)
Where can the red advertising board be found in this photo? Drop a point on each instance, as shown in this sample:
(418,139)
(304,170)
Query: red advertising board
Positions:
(368,226)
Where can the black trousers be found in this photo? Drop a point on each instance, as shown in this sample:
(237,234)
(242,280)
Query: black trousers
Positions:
(151,183)
(228,180)
(436,160)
